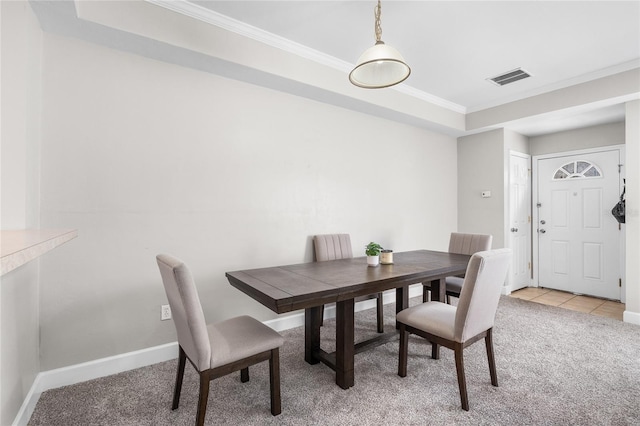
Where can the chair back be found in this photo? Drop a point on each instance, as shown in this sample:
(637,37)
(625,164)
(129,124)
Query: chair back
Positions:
(186,310)
(476,310)
(469,243)
(332,247)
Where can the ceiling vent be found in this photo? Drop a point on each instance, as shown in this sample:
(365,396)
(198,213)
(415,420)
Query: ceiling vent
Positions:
(509,77)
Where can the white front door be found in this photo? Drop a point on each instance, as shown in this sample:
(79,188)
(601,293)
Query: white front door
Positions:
(578,238)
(519,221)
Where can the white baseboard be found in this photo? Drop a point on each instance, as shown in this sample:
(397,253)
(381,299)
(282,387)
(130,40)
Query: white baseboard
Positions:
(128,361)
(91,370)
(631,317)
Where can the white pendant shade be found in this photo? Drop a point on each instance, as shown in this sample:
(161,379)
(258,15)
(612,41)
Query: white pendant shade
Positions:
(379,66)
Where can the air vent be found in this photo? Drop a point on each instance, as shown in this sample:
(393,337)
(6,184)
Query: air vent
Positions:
(509,77)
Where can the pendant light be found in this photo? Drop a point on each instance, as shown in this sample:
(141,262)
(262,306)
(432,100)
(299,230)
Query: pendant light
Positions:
(381,65)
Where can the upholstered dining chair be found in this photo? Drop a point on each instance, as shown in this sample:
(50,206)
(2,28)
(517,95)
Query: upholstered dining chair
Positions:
(338,246)
(457,327)
(215,350)
(460,243)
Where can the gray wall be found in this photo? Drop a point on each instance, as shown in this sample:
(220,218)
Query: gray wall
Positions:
(19,317)
(514,141)
(584,138)
(632,130)
(144,157)
(482,161)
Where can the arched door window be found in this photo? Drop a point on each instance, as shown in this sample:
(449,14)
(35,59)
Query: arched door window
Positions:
(579,169)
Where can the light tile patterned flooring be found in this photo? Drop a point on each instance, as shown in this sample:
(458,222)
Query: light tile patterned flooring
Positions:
(591,305)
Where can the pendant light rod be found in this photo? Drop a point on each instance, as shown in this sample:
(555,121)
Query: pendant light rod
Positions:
(381,65)
(378,25)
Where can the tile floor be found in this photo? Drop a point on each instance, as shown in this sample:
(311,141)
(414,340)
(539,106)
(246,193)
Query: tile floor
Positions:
(591,305)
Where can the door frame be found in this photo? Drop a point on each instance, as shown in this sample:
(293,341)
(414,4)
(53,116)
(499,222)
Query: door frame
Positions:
(536,220)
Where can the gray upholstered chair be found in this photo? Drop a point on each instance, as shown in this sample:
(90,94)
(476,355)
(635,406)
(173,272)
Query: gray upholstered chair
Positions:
(338,246)
(215,350)
(461,244)
(457,327)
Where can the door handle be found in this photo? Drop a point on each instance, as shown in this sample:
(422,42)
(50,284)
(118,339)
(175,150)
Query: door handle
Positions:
(542,231)
(514,229)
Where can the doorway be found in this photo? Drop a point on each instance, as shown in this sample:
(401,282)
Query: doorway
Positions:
(519,232)
(578,241)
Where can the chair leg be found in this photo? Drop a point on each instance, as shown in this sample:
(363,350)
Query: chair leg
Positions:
(424,294)
(202,399)
(379,307)
(462,382)
(488,340)
(448,299)
(274,381)
(403,352)
(244,375)
(435,351)
(321,315)
(182,358)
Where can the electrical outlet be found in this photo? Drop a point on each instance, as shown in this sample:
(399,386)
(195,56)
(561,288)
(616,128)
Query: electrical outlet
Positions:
(165,312)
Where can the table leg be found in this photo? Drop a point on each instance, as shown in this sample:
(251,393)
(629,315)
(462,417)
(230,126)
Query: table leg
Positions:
(438,293)
(345,350)
(402,300)
(438,290)
(312,321)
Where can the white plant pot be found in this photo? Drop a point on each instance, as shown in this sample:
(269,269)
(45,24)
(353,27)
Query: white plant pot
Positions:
(373,260)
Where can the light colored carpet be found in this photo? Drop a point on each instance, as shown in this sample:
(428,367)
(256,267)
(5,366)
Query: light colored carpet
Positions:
(554,366)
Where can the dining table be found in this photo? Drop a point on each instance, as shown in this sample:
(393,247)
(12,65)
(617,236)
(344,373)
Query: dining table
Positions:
(311,285)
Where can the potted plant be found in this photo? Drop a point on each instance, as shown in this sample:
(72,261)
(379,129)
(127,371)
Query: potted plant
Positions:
(372,251)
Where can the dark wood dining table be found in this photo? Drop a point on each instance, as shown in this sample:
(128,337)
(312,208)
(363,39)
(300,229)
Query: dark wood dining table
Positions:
(309,286)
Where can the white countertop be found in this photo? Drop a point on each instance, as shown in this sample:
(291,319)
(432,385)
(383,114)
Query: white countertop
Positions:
(21,246)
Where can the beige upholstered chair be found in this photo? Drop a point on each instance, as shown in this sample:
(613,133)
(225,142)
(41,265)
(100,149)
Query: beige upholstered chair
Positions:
(215,350)
(458,327)
(461,244)
(338,246)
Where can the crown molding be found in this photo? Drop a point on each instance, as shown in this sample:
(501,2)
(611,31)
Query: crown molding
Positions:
(209,16)
(408,90)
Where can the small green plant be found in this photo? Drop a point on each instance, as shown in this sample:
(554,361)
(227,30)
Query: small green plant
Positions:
(373,249)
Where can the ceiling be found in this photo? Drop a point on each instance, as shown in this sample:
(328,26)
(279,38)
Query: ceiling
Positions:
(452,47)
